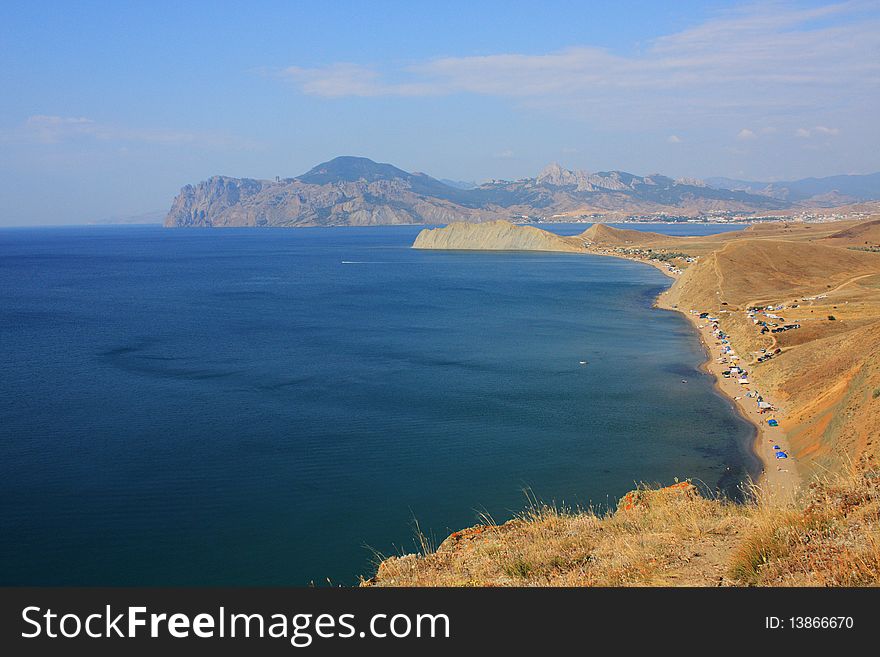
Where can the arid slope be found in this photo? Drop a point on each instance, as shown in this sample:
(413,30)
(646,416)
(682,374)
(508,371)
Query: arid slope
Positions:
(825,376)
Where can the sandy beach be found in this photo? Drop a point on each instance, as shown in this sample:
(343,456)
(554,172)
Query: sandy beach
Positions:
(779,478)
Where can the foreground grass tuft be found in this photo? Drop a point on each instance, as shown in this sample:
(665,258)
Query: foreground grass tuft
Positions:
(833,539)
(668,536)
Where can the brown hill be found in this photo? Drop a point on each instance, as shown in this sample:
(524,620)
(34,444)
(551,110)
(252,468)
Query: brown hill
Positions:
(610,236)
(866,233)
(744,272)
(826,374)
(494,236)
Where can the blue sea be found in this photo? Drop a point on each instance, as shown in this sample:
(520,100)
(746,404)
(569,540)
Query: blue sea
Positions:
(280,406)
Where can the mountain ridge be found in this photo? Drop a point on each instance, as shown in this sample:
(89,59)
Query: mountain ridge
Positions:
(350,190)
(825,191)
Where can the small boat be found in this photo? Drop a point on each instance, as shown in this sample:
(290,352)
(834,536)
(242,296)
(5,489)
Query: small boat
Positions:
(583,362)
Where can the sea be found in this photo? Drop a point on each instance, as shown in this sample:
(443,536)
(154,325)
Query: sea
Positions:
(288,406)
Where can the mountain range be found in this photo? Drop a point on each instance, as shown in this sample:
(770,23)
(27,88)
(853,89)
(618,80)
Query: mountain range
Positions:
(817,192)
(358,191)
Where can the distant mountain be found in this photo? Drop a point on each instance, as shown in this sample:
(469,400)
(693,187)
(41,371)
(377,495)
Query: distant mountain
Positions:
(827,192)
(343,191)
(351,169)
(459,184)
(556,191)
(358,191)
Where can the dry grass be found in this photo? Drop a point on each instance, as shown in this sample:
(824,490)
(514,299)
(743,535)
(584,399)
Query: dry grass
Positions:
(650,543)
(832,539)
(669,536)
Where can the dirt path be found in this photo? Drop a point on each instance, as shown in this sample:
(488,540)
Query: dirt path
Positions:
(852,280)
(705,561)
(812,302)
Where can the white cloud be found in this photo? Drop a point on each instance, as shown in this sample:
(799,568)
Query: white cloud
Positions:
(822,130)
(52,129)
(761,60)
(819,130)
(745,135)
(673,139)
(347,79)
(48,129)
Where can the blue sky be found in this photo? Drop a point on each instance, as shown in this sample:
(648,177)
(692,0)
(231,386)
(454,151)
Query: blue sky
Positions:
(109,108)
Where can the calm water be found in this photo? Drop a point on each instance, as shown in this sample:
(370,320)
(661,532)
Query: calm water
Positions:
(259,406)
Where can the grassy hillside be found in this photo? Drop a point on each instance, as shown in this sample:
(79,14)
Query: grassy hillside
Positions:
(668,537)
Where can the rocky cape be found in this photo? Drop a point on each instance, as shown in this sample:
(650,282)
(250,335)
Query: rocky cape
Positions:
(495,236)
(359,192)
(502,235)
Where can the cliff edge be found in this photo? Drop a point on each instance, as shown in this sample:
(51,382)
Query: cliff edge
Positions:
(667,537)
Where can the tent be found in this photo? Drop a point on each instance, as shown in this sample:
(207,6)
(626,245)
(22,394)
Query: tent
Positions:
(781,455)
(773,423)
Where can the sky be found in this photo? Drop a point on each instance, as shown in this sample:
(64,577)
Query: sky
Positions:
(108,109)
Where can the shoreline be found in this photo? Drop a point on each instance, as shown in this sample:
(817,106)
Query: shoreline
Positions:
(774,480)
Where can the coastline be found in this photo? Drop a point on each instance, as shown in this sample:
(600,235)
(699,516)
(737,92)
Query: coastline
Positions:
(677,536)
(775,481)
(770,448)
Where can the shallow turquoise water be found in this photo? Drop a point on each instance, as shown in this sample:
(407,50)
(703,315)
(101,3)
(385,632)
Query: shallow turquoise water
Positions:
(268,406)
